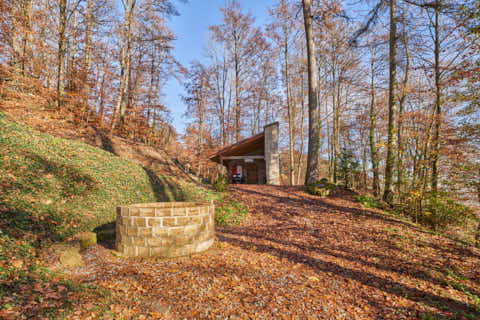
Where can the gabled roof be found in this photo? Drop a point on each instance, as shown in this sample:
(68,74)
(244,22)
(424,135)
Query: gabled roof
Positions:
(240,148)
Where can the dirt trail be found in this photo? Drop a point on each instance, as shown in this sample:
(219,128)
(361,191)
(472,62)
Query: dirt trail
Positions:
(299,257)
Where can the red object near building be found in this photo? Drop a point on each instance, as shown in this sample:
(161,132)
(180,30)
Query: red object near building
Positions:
(254,160)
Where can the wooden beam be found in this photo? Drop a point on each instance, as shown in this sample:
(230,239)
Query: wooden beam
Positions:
(241,157)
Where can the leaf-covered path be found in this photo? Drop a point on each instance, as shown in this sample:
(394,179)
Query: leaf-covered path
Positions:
(298,257)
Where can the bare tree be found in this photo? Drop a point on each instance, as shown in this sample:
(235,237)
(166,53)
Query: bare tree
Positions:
(312,175)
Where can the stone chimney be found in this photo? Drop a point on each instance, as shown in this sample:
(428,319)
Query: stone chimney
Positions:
(272,158)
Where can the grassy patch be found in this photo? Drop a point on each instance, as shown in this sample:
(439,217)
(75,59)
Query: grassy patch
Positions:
(230,212)
(369,201)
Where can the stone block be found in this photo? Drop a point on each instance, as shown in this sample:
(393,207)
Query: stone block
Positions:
(169,222)
(138,241)
(68,253)
(128,251)
(125,212)
(155,222)
(192,211)
(158,251)
(174,252)
(183,221)
(157,242)
(144,232)
(191,231)
(133,212)
(162,212)
(126,240)
(131,231)
(140,222)
(126,221)
(159,232)
(146,212)
(143,252)
(86,239)
(195,220)
(179,211)
(202,227)
(176,232)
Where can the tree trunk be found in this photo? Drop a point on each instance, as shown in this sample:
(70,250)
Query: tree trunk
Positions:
(313,173)
(320,135)
(390,162)
(336,131)
(289,107)
(302,118)
(27,6)
(400,145)
(237,90)
(438,110)
(125,57)
(364,164)
(102,95)
(73,53)
(373,143)
(88,52)
(152,83)
(61,54)
(329,146)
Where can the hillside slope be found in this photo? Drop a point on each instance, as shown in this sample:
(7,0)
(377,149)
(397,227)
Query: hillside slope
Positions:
(50,189)
(67,186)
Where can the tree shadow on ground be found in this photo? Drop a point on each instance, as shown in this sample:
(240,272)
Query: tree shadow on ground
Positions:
(290,225)
(53,179)
(163,188)
(365,278)
(70,179)
(323,246)
(105,142)
(319,205)
(20,224)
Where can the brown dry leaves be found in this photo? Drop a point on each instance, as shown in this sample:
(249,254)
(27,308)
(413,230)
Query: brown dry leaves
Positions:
(297,257)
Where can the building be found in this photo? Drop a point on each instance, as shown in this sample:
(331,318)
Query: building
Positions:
(254,160)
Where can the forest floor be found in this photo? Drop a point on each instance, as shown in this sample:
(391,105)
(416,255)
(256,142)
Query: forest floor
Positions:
(297,256)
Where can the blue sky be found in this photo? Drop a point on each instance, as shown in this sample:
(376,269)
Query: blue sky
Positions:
(191,29)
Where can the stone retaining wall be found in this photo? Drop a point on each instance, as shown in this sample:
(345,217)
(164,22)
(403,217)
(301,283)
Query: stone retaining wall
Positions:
(165,229)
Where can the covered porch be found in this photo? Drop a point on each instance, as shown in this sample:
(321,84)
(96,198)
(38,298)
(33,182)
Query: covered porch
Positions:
(244,161)
(254,160)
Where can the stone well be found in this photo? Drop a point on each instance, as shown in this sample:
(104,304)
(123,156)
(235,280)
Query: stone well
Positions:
(164,229)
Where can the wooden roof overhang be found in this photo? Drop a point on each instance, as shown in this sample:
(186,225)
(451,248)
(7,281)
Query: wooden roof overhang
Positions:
(240,149)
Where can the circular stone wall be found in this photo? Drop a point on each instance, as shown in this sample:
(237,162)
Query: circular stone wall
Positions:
(164,229)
